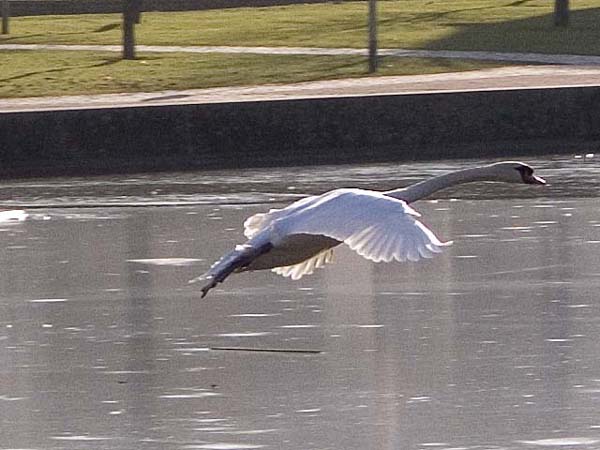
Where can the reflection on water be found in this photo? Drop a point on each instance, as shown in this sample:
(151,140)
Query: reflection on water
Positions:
(104,345)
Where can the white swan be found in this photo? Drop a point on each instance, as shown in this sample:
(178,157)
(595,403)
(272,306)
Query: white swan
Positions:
(379,226)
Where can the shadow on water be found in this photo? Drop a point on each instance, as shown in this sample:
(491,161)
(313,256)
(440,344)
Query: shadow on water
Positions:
(140,366)
(531,35)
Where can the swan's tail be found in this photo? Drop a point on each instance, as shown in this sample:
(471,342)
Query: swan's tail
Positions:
(234,261)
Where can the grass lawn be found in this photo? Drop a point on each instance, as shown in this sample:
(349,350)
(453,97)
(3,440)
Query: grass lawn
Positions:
(521,25)
(70,73)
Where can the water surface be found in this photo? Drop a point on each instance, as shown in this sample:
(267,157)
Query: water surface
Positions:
(492,345)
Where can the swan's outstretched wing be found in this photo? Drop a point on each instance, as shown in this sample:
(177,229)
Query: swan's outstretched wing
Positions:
(377,227)
(306,267)
(258,222)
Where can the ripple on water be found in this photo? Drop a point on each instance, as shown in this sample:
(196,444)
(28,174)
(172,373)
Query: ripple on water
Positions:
(190,395)
(561,442)
(166,261)
(223,446)
(247,334)
(48,300)
(255,315)
(6,398)
(81,438)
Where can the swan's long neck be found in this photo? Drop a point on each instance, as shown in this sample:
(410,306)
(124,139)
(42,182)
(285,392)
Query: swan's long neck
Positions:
(425,188)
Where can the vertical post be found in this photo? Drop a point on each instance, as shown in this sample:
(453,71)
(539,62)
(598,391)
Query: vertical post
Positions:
(561,13)
(129,15)
(137,5)
(372,36)
(5,7)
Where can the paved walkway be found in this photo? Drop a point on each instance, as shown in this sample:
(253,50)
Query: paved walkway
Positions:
(566,70)
(538,58)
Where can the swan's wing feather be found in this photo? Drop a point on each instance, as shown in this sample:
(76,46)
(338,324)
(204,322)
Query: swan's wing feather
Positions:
(306,267)
(377,227)
(258,222)
(255,223)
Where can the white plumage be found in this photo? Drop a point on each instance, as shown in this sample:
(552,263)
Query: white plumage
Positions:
(380,226)
(306,267)
(377,227)
(296,240)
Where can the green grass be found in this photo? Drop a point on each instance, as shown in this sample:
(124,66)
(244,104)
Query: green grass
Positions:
(70,73)
(495,25)
(521,25)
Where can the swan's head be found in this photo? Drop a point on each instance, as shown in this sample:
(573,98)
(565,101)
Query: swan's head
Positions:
(514,172)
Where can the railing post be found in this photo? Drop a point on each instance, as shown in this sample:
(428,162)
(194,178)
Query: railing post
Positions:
(561,13)
(138,11)
(129,16)
(372,36)
(5,7)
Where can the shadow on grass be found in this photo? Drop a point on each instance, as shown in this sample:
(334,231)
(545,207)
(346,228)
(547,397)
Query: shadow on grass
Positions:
(428,17)
(32,74)
(31,37)
(536,35)
(105,62)
(4,39)
(108,62)
(109,27)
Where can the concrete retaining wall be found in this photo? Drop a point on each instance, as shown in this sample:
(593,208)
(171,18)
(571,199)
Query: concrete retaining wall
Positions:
(296,132)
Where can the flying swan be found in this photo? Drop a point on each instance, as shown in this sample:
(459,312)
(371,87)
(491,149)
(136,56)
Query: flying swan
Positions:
(379,226)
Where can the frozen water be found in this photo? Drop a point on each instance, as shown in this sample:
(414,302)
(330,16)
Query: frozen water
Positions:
(104,344)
